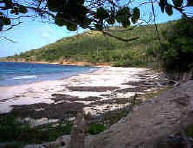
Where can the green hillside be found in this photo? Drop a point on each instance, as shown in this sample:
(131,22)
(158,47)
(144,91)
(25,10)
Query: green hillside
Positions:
(94,47)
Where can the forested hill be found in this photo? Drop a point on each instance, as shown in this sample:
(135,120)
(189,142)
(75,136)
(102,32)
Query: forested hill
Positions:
(94,47)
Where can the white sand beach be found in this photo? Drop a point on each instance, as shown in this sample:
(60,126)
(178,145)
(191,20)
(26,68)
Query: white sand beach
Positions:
(42,92)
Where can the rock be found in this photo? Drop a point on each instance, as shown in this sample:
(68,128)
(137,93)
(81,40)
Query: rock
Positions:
(151,122)
(79,130)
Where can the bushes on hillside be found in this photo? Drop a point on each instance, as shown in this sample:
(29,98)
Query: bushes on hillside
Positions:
(178,47)
(94,47)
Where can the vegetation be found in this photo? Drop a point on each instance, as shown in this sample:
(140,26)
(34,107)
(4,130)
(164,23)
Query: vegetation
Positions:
(14,130)
(17,133)
(178,46)
(189,131)
(94,47)
(96,128)
(100,15)
(84,13)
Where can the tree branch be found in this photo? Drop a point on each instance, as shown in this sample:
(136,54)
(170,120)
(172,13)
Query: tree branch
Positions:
(8,39)
(119,38)
(156,27)
(12,26)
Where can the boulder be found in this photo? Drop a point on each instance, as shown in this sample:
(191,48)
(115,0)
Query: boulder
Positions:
(151,122)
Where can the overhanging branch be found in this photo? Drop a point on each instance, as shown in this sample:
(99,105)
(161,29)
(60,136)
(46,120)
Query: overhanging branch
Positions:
(119,38)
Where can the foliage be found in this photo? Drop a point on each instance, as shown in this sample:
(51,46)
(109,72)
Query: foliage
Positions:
(189,131)
(96,128)
(14,145)
(178,46)
(13,130)
(95,14)
(94,47)
(112,117)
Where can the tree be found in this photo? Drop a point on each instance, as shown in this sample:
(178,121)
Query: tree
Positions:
(88,14)
(91,14)
(178,51)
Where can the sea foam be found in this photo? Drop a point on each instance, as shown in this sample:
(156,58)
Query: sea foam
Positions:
(25,77)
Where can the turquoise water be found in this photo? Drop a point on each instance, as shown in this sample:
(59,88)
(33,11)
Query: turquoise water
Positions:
(21,73)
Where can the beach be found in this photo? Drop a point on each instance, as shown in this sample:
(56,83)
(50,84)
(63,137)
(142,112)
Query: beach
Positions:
(106,89)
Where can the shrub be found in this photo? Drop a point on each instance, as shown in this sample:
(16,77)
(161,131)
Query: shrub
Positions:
(178,47)
(13,130)
(96,128)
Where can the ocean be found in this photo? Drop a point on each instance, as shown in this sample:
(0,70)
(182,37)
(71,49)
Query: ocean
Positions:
(12,73)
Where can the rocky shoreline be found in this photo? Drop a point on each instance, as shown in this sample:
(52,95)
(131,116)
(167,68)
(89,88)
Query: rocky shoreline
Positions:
(107,89)
(108,94)
(158,122)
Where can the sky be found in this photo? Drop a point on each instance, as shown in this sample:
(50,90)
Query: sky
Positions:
(33,34)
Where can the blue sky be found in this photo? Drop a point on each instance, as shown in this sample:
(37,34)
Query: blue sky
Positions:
(33,34)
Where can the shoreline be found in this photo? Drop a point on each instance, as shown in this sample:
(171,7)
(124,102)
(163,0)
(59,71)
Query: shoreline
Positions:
(88,64)
(63,78)
(106,89)
(11,91)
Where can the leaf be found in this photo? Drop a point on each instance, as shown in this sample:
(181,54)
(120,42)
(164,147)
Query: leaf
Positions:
(80,2)
(15,10)
(111,21)
(169,10)
(162,5)
(12,11)
(77,11)
(6,21)
(1,24)
(85,23)
(59,20)
(8,4)
(126,24)
(99,26)
(178,3)
(22,9)
(136,15)
(190,3)
(71,27)
(102,13)
(56,5)
(123,16)
(133,20)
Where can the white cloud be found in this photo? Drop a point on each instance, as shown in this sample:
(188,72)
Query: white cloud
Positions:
(48,33)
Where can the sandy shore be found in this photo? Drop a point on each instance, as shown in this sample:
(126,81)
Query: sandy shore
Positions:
(106,89)
(76,63)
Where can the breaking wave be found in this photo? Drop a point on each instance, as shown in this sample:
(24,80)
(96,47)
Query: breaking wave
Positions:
(25,77)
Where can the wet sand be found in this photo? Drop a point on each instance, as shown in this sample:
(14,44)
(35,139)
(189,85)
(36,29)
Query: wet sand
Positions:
(106,89)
